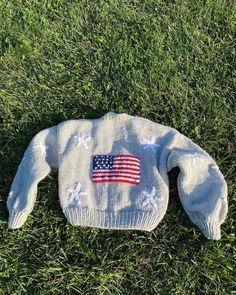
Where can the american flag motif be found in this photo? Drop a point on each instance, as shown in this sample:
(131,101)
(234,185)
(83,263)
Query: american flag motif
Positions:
(120,168)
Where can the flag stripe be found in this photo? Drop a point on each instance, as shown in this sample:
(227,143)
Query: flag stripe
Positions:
(116,173)
(118,169)
(127,159)
(116,180)
(128,169)
(115,176)
(126,166)
(127,156)
(127,162)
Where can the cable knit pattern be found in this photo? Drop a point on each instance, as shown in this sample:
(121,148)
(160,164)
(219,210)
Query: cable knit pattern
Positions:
(113,173)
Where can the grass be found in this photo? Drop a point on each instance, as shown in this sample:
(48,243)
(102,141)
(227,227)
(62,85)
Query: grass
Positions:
(170,61)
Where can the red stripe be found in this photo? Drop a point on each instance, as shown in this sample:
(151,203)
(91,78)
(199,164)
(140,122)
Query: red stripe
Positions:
(126,165)
(127,162)
(126,168)
(115,172)
(126,159)
(117,176)
(117,180)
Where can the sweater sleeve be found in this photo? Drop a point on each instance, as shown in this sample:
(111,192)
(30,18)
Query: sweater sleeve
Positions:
(201,186)
(39,159)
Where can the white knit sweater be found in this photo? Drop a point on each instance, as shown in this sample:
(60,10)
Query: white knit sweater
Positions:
(112,173)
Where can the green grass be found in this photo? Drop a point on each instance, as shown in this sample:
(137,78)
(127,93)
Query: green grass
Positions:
(170,61)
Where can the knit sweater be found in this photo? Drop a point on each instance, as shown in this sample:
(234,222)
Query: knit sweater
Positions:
(112,173)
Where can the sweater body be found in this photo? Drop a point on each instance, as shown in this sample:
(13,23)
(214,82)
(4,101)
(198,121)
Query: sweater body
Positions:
(112,173)
(115,202)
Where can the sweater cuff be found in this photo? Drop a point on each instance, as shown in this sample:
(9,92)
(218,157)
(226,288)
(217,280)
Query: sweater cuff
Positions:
(16,219)
(210,229)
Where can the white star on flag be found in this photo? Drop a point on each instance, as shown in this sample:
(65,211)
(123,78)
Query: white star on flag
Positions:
(195,157)
(151,198)
(75,194)
(81,139)
(42,148)
(150,144)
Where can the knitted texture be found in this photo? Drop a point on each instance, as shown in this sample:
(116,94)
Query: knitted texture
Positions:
(112,173)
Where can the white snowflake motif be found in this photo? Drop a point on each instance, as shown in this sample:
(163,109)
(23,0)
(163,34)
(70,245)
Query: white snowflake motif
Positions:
(43,148)
(75,194)
(81,139)
(150,144)
(151,198)
(195,157)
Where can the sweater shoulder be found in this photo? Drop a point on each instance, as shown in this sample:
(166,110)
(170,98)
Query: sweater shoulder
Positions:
(140,123)
(148,123)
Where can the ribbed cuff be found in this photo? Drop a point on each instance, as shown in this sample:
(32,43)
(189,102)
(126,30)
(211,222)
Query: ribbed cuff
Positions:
(16,219)
(210,229)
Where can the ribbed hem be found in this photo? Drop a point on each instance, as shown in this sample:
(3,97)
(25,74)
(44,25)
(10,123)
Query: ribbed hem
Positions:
(16,219)
(210,229)
(146,221)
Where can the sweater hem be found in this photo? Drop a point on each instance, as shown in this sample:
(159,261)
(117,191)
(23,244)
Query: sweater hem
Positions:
(146,221)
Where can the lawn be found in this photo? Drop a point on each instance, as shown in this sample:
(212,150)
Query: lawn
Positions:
(170,61)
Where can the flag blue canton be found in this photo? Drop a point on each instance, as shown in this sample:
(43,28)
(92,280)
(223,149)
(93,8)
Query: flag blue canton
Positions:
(103,162)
